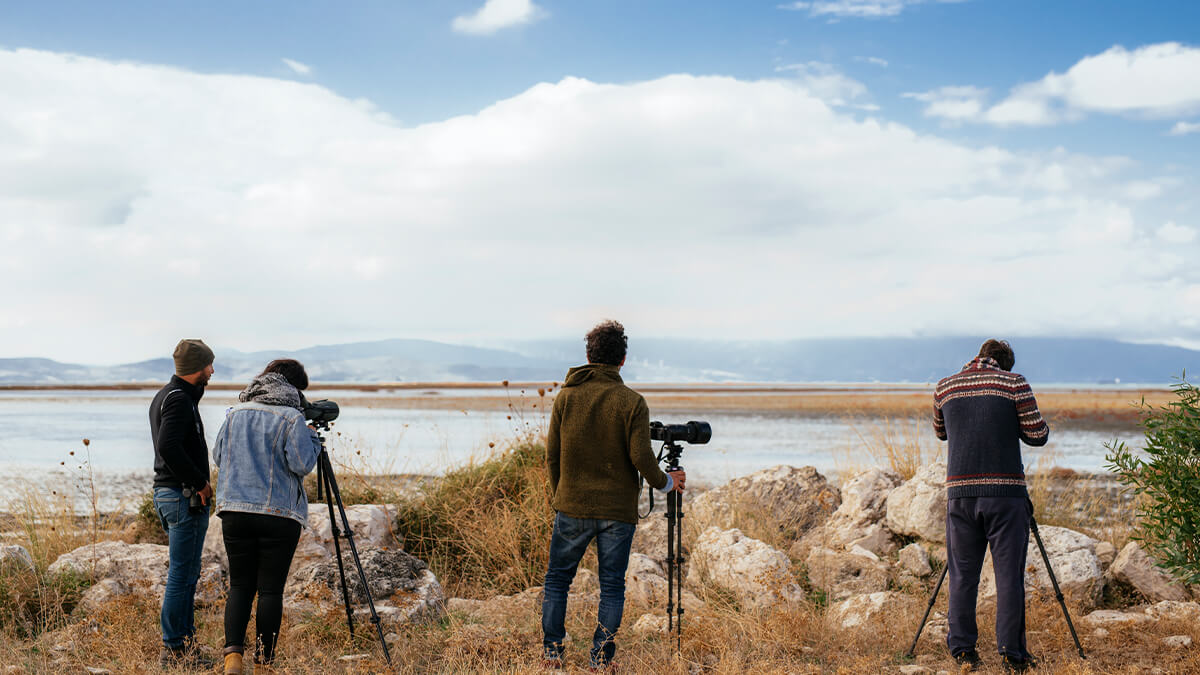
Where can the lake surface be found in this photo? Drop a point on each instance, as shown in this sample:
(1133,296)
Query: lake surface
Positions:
(40,429)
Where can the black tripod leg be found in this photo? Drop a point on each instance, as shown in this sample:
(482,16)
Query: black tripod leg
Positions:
(670,563)
(325,477)
(1054,582)
(335,495)
(912,649)
(678,571)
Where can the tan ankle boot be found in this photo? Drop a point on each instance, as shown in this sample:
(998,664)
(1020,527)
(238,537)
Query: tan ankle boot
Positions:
(233,663)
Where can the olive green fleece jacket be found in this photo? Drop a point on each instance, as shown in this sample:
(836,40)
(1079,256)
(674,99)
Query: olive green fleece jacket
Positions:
(599,440)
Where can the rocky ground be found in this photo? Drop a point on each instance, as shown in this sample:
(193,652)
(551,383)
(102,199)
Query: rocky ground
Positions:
(785,572)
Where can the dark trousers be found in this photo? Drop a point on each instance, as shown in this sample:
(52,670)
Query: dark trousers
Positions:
(260,549)
(972,524)
(567,545)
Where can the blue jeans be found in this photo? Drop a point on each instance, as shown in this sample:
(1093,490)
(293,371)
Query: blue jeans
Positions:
(185,535)
(567,546)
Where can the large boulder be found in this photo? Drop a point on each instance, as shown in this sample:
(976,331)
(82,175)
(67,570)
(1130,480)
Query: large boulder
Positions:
(798,499)
(842,574)
(402,586)
(1137,569)
(858,521)
(1073,558)
(133,568)
(862,610)
(918,507)
(372,525)
(646,584)
(757,573)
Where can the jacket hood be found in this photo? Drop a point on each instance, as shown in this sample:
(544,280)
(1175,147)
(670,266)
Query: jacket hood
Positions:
(592,372)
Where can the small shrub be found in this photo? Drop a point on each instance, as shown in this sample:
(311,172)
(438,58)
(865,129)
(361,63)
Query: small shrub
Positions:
(32,603)
(1166,479)
(484,528)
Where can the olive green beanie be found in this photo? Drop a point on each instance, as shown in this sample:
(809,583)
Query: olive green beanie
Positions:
(192,356)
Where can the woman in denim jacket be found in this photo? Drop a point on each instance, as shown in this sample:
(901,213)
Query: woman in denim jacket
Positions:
(262,453)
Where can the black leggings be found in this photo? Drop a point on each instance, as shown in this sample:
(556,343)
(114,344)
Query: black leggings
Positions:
(260,549)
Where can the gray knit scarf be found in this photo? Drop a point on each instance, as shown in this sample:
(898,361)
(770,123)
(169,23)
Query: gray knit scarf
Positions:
(271,389)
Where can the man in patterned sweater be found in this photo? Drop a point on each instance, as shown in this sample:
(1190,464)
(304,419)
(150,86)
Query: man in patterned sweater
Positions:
(985,411)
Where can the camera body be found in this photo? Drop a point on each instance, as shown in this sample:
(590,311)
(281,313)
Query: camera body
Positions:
(195,503)
(320,413)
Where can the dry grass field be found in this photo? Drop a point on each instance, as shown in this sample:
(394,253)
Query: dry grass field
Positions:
(484,530)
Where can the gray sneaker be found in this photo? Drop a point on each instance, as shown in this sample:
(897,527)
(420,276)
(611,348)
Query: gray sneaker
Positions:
(188,658)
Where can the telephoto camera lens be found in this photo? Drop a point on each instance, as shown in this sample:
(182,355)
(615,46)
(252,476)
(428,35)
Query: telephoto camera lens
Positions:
(696,433)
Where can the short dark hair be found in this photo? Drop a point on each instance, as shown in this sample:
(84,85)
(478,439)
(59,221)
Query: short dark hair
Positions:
(606,343)
(1000,351)
(291,370)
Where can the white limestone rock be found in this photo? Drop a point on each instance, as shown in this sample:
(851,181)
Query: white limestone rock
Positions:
(759,574)
(1073,558)
(917,508)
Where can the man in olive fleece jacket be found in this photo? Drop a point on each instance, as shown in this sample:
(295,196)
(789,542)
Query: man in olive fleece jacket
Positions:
(597,445)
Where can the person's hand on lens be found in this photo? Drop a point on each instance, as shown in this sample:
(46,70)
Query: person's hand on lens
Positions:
(680,477)
(206,493)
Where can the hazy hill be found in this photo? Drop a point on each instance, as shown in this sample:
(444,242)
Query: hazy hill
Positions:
(1045,360)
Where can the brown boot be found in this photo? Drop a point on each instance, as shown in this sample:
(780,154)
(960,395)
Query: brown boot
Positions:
(233,663)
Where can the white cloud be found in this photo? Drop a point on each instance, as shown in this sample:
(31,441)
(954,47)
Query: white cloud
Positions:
(862,9)
(1176,234)
(873,60)
(954,104)
(496,15)
(307,217)
(297,67)
(1153,81)
(1182,128)
(826,82)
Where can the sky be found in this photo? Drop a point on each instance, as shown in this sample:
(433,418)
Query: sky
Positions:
(270,175)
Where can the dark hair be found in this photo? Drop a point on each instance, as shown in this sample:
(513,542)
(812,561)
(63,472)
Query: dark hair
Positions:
(291,370)
(1000,351)
(606,343)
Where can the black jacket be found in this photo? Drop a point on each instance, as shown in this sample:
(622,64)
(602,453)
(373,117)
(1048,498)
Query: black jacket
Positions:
(180,451)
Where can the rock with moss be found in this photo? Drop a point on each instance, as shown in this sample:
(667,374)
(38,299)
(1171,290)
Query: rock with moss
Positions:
(402,586)
(859,519)
(758,574)
(797,499)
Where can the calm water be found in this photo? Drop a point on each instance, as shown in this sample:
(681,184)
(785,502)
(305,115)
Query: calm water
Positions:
(39,430)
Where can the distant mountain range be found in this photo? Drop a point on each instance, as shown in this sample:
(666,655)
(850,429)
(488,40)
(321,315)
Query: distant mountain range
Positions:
(1044,360)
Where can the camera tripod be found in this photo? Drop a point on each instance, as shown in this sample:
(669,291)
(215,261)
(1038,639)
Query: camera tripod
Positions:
(674,560)
(1053,582)
(327,484)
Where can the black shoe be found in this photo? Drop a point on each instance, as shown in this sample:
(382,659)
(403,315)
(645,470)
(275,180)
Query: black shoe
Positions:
(1015,665)
(968,658)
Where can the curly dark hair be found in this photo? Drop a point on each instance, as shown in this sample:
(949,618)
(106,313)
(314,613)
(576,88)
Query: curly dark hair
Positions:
(1001,351)
(606,343)
(291,370)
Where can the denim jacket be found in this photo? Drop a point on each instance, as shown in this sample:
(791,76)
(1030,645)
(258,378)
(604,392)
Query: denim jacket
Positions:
(262,454)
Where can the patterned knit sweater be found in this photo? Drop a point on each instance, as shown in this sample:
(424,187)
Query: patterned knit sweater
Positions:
(985,412)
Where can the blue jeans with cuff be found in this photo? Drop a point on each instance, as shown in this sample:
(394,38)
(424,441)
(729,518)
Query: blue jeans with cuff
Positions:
(185,535)
(567,545)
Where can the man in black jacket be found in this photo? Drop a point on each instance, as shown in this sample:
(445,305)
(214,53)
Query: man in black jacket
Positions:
(181,496)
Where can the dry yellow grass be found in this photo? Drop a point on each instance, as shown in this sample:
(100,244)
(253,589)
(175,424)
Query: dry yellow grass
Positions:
(484,529)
